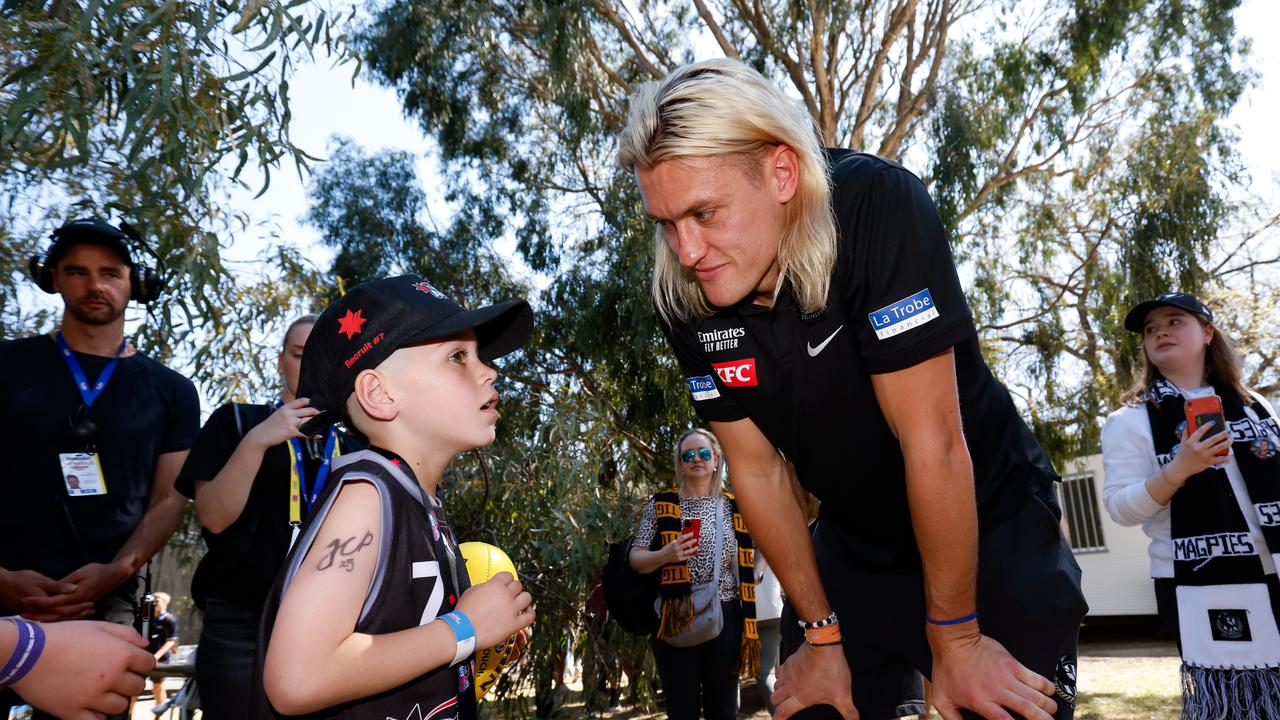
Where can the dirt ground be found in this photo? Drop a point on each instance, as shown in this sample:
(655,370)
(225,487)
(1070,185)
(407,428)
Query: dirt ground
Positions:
(1123,674)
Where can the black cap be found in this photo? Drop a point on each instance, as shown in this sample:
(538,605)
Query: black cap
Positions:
(365,326)
(88,230)
(1137,317)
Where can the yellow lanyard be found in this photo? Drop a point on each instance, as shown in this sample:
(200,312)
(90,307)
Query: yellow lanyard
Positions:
(296,471)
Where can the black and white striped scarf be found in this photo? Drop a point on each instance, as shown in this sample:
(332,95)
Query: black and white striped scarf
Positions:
(1226,603)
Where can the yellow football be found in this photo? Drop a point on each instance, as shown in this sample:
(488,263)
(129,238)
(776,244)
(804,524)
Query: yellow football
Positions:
(483,562)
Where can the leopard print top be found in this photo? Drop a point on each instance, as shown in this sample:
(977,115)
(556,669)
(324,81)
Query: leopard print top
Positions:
(700,568)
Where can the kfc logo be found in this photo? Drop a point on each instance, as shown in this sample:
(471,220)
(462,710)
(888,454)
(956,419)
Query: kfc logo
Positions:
(737,373)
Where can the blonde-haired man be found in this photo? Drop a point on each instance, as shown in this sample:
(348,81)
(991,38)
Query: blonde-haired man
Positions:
(811,300)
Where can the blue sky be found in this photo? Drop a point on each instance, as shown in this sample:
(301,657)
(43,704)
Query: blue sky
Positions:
(325,103)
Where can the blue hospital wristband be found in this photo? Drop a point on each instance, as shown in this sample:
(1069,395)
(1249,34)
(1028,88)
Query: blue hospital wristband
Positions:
(464,631)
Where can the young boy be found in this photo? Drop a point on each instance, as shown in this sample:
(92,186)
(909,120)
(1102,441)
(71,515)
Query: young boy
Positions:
(372,616)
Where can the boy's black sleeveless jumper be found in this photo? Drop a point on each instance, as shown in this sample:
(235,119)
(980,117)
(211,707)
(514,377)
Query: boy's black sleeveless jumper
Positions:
(419,576)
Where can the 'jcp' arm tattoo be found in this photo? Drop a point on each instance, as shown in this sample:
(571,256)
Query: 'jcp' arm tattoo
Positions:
(344,549)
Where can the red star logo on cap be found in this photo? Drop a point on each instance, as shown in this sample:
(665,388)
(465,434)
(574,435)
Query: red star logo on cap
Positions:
(350,323)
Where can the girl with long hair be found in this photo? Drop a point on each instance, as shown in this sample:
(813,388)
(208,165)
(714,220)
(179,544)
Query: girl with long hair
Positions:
(1205,486)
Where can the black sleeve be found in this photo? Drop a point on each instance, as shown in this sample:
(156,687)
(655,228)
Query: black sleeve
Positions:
(904,297)
(183,424)
(213,447)
(710,398)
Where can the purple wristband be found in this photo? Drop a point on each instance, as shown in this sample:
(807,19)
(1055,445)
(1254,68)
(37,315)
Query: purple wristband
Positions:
(26,651)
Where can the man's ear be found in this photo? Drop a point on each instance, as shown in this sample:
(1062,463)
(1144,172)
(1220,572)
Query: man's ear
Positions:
(782,167)
(372,394)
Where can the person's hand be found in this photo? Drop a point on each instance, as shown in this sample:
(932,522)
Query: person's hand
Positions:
(283,424)
(1198,453)
(20,588)
(976,673)
(813,676)
(88,583)
(498,608)
(88,670)
(680,549)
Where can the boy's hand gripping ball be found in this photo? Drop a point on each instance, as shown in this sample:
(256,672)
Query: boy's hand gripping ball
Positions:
(483,562)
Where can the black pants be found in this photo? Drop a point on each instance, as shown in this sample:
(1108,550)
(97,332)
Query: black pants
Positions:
(1029,600)
(224,660)
(703,677)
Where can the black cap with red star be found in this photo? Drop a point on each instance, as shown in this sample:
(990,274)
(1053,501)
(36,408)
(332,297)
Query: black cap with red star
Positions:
(365,326)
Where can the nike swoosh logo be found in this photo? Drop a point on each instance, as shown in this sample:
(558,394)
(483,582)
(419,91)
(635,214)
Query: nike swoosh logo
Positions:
(813,351)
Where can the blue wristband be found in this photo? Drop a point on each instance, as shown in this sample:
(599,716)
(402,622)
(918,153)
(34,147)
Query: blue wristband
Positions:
(463,630)
(465,633)
(26,651)
(956,621)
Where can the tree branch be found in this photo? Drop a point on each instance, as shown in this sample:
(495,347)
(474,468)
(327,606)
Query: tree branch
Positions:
(709,20)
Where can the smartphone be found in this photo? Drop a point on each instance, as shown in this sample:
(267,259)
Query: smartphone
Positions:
(692,526)
(1206,411)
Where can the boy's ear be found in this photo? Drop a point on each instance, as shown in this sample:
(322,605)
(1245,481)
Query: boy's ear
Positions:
(372,394)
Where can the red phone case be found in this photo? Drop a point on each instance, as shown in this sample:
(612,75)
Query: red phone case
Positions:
(692,526)
(1204,411)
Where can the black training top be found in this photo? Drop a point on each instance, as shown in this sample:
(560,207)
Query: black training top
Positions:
(805,381)
(164,627)
(144,411)
(419,575)
(243,559)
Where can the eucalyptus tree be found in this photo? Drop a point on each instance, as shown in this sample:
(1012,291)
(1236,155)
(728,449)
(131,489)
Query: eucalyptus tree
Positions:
(1078,151)
(149,112)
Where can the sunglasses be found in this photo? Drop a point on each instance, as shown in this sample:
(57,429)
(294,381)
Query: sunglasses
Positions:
(703,454)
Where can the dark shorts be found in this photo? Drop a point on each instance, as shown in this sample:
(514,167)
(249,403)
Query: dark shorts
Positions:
(1029,600)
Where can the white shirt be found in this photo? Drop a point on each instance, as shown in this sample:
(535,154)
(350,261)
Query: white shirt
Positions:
(768,590)
(1129,458)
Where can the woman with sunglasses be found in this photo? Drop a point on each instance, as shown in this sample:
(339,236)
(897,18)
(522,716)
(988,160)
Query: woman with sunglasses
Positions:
(694,519)
(1191,458)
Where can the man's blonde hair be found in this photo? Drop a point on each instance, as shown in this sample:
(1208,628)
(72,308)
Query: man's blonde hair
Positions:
(722,107)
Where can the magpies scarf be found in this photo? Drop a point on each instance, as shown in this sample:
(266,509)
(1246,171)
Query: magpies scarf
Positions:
(1226,603)
(677,591)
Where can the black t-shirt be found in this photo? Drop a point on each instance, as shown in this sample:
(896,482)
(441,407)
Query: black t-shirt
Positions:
(420,575)
(805,381)
(144,411)
(244,558)
(163,629)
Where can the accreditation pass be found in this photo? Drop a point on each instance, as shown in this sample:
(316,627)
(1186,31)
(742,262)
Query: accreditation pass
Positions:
(82,474)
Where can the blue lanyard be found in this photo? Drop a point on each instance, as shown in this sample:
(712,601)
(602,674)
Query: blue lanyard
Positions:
(298,473)
(82,383)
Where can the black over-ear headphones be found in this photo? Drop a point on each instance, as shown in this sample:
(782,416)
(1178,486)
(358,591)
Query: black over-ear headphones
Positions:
(145,284)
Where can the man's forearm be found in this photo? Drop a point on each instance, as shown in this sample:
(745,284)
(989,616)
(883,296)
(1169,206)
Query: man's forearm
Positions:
(944,516)
(153,531)
(778,530)
(165,648)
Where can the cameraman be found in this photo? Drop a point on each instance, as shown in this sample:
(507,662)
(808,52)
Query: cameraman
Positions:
(82,401)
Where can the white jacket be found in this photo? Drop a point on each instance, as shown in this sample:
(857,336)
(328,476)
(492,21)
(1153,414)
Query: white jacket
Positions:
(1129,458)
